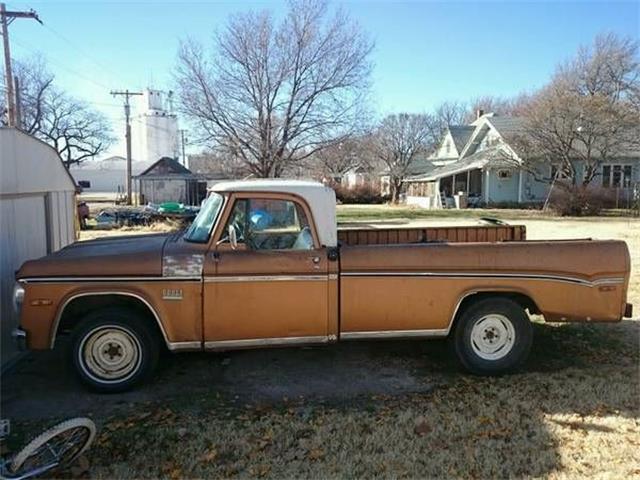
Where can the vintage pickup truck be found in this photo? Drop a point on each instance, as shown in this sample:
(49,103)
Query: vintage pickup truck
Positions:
(262,266)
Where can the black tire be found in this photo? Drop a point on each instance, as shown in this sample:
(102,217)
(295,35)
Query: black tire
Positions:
(114,349)
(493,336)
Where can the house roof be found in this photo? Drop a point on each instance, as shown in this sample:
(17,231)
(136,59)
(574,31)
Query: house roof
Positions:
(166,166)
(461,135)
(420,166)
(480,159)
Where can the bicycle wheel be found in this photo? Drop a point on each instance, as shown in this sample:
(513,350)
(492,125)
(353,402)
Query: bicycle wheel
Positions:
(59,445)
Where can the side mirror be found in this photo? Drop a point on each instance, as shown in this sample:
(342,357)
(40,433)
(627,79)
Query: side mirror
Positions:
(233,237)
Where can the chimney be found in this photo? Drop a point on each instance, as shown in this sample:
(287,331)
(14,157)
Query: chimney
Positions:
(479,113)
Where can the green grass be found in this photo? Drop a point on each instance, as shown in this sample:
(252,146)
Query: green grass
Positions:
(577,394)
(354,213)
(381,213)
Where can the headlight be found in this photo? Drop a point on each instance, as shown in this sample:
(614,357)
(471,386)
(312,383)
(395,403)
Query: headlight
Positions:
(18,297)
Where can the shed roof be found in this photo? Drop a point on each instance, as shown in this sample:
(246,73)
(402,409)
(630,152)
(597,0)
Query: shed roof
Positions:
(30,165)
(166,166)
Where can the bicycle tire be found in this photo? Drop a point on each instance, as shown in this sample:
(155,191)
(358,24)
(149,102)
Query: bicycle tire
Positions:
(34,446)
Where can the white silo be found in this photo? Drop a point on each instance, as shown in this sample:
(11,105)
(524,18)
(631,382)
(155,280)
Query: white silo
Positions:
(154,128)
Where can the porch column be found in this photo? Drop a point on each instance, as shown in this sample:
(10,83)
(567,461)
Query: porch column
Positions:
(486,186)
(468,175)
(437,200)
(519,185)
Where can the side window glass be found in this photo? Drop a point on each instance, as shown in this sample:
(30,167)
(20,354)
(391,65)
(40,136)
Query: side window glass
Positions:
(269,224)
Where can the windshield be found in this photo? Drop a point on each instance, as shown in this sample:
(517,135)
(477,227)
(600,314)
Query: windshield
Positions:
(200,229)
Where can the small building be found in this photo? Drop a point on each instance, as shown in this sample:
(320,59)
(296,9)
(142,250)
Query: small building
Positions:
(169,181)
(37,214)
(104,179)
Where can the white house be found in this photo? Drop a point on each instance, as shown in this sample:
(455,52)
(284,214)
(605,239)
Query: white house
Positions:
(37,214)
(478,161)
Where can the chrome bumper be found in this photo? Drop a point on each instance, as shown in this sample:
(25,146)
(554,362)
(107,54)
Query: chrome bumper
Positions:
(20,337)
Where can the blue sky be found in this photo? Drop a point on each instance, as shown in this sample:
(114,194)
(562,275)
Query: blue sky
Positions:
(426,51)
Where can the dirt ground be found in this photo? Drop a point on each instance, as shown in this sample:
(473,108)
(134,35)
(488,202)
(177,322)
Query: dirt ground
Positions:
(367,409)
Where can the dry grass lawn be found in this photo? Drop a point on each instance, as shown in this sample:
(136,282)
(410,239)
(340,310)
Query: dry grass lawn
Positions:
(573,412)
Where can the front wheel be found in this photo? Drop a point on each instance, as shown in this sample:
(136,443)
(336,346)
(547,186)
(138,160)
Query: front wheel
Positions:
(58,447)
(114,349)
(493,336)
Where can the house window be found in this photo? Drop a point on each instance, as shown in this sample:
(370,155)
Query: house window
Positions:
(617,176)
(504,174)
(626,176)
(447,147)
(606,176)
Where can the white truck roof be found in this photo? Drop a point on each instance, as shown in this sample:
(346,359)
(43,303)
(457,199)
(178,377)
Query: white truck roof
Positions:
(320,198)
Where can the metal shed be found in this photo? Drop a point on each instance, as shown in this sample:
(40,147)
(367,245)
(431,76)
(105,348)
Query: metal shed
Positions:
(169,181)
(37,214)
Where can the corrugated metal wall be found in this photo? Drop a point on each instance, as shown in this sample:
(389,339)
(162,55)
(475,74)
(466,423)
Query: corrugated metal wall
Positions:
(37,215)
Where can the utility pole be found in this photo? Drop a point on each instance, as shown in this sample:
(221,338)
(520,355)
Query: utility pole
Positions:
(18,102)
(127,114)
(184,157)
(6,17)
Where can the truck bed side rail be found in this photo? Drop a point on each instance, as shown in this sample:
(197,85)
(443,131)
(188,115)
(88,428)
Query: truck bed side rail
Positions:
(388,236)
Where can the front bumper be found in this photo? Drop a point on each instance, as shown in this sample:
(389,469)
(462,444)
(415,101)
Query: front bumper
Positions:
(20,337)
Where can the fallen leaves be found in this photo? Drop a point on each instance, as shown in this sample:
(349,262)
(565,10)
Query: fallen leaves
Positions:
(209,455)
(421,427)
(315,454)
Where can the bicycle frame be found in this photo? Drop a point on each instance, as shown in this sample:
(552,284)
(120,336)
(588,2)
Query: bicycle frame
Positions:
(6,474)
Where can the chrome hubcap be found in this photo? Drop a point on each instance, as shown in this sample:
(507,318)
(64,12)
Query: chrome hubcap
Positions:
(110,353)
(492,337)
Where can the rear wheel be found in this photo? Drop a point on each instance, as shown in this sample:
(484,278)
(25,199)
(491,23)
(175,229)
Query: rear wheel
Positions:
(493,336)
(114,349)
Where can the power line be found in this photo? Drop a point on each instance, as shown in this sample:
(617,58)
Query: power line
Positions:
(83,52)
(26,46)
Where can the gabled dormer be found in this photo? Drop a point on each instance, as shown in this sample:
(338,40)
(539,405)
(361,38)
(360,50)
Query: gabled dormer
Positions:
(452,144)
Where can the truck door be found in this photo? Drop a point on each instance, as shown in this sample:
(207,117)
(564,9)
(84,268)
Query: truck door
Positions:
(270,285)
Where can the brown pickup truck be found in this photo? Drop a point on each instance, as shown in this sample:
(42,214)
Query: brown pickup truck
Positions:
(262,265)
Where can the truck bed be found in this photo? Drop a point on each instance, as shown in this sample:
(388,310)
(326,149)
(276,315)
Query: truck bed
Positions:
(388,236)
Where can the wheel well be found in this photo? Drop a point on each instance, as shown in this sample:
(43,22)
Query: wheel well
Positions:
(80,306)
(521,299)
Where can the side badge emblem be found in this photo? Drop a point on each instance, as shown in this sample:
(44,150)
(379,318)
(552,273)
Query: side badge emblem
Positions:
(172,294)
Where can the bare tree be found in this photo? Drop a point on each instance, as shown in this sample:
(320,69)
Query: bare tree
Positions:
(276,93)
(586,116)
(73,128)
(76,130)
(35,86)
(337,159)
(449,113)
(399,141)
(508,106)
